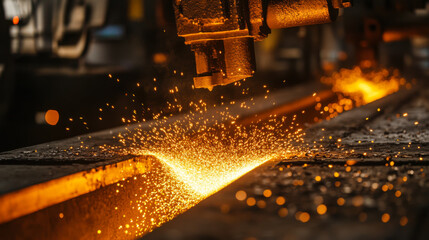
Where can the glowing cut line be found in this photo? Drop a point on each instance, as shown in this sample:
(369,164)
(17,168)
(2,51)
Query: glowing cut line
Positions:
(207,150)
(208,185)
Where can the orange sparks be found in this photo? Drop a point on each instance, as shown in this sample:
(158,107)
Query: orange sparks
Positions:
(15,20)
(194,170)
(364,87)
(52,117)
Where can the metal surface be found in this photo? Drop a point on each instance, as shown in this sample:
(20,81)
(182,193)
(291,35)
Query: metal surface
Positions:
(67,185)
(343,190)
(221,33)
(232,60)
(290,13)
(140,199)
(42,195)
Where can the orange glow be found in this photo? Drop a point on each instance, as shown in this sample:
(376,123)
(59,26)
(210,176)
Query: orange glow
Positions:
(321,209)
(160,58)
(398,193)
(241,195)
(251,201)
(341,201)
(193,169)
(367,63)
(196,170)
(364,87)
(267,193)
(261,204)
(39,196)
(385,217)
(403,221)
(302,216)
(280,201)
(351,162)
(15,20)
(283,212)
(52,117)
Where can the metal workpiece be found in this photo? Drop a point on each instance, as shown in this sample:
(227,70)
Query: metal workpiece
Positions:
(221,33)
(291,13)
(346,192)
(86,193)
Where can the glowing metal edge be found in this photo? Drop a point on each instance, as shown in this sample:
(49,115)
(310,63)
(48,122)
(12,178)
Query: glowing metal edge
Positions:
(36,197)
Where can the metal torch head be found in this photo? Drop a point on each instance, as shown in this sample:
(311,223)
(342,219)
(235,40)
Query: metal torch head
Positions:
(221,62)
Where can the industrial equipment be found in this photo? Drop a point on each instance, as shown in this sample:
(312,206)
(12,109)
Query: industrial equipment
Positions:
(222,33)
(110,134)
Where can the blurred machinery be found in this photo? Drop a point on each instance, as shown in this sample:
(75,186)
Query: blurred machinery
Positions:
(373,26)
(57,28)
(54,55)
(5,65)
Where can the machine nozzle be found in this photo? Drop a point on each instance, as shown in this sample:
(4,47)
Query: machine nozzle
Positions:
(221,62)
